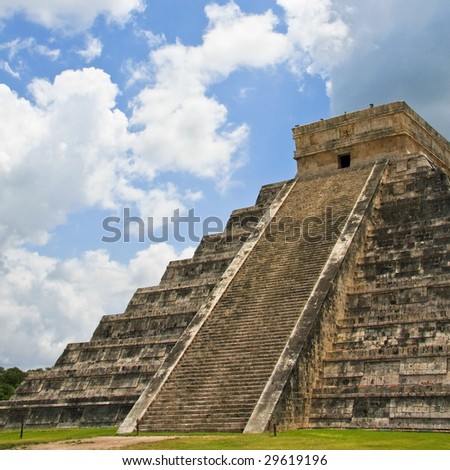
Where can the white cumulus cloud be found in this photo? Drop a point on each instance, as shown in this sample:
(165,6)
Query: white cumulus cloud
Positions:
(59,151)
(319,35)
(70,15)
(93,49)
(182,126)
(69,148)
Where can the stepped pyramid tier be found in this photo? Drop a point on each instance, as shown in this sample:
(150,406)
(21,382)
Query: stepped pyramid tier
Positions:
(327,304)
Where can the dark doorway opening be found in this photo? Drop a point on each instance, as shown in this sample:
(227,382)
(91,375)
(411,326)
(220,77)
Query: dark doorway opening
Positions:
(344,161)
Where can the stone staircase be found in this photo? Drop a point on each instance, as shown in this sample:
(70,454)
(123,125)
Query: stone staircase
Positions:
(219,379)
(96,383)
(389,363)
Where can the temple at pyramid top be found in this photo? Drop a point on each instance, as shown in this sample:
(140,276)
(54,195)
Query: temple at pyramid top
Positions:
(388,130)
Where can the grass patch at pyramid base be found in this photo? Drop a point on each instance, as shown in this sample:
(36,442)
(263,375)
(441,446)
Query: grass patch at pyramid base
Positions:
(304,439)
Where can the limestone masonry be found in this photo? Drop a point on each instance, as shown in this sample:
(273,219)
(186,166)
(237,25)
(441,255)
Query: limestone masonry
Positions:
(326,304)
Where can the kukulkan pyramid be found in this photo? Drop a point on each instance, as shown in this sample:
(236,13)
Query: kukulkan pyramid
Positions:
(326,304)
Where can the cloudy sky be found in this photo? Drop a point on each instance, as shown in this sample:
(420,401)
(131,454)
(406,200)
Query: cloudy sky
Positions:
(157,106)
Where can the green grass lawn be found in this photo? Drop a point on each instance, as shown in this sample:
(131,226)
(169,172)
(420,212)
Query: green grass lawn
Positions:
(11,438)
(309,439)
(305,439)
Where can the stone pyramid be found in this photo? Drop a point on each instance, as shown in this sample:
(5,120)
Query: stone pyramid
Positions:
(326,304)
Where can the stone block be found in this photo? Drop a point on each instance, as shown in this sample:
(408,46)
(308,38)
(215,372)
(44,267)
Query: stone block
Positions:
(384,373)
(424,366)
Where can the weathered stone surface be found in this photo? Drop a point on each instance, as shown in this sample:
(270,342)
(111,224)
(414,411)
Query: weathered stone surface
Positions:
(327,304)
(392,343)
(391,130)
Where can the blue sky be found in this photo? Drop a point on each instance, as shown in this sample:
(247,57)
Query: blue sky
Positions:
(164,105)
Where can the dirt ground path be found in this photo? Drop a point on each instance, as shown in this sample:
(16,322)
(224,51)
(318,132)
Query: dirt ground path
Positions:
(97,443)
